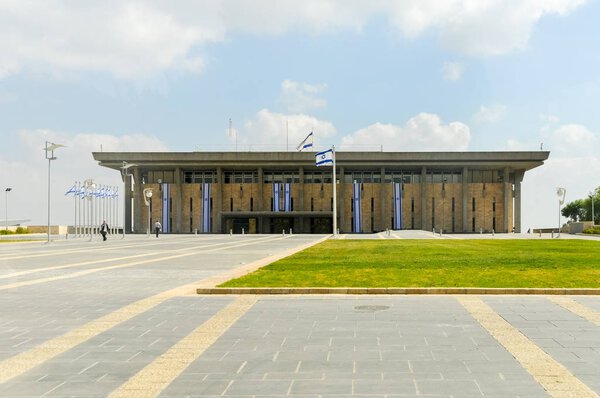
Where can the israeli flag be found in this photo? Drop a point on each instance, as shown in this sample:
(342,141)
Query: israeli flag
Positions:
(276,197)
(287,197)
(206,208)
(397,198)
(166,208)
(357,209)
(324,158)
(306,143)
(72,190)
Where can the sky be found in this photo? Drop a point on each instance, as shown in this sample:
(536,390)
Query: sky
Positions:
(412,75)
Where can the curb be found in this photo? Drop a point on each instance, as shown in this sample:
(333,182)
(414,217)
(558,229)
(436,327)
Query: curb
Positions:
(397,290)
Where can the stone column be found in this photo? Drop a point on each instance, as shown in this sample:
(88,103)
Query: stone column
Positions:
(140,211)
(300,222)
(217,205)
(518,179)
(258,204)
(507,197)
(127,195)
(423,199)
(465,200)
(382,212)
(178,201)
(300,204)
(341,203)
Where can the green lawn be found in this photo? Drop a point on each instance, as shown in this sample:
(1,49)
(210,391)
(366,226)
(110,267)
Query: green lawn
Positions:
(435,263)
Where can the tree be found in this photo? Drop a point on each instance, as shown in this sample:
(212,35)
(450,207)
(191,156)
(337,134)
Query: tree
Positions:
(581,209)
(575,210)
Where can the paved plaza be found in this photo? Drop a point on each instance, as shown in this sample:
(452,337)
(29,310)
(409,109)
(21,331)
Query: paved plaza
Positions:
(120,318)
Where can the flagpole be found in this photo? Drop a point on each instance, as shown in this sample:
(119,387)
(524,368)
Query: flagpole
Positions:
(334,195)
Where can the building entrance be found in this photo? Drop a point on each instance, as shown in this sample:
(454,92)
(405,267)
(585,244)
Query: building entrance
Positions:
(321,226)
(237,225)
(281,224)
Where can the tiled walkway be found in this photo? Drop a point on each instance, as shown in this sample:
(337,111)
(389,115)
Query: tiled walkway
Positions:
(128,326)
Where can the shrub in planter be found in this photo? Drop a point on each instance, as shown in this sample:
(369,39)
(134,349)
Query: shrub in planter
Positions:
(594,230)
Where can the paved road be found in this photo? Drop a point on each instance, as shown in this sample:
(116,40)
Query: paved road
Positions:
(120,318)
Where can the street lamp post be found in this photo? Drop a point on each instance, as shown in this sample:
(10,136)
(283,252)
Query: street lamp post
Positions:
(593,219)
(560,192)
(125,173)
(89,186)
(147,197)
(50,147)
(6,191)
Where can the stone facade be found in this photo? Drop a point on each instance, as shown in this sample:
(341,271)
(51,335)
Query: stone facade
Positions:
(462,192)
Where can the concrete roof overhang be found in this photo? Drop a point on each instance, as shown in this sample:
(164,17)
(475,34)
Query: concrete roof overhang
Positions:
(515,160)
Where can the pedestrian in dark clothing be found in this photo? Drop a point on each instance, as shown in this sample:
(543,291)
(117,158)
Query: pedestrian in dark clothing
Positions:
(103,230)
(157,227)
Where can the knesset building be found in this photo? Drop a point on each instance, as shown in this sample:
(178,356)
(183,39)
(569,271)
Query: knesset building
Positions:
(271,192)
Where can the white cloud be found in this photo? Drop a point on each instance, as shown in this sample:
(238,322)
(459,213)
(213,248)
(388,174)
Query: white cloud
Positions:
(129,40)
(423,132)
(494,27)
(267,131)
(137,40)
(574,139)
(551,119)
(489,114)
(452,71)
(302,97)
(28,176)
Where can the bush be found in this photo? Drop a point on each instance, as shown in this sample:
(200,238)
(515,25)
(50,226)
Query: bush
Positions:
(22,230)
(594,230)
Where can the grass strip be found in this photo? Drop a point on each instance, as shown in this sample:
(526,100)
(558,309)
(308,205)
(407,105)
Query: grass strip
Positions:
(435,263)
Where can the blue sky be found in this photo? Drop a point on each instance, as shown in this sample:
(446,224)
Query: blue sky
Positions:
(411,76)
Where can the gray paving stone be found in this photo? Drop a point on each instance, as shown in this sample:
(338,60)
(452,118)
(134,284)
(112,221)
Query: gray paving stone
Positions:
(453,387)
(256,387)
(307,346)
(322,387)
(574,342)
(384,387)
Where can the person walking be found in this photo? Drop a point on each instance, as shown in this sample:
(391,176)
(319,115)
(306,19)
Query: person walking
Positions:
(157,227)
(103,230)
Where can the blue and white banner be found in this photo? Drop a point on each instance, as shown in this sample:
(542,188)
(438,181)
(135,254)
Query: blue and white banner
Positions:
(357,213)
(307,143)
(287,197)
(73,190)
(397,198)
(206,208)
(324,158)
(166,208)
(276,197)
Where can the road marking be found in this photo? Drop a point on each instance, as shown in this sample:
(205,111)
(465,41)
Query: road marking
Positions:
(36,270)
(57,252)
(577,308)
(551,375)
(27,360)
(156,376)
(131,264)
